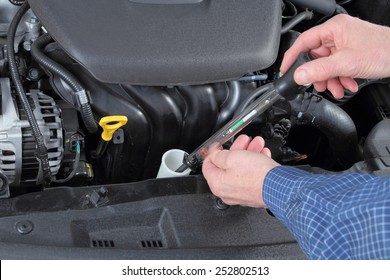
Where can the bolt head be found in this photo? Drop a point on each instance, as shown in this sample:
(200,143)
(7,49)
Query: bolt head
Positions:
(220,204)
(33,73)
(27,46)
(24,227)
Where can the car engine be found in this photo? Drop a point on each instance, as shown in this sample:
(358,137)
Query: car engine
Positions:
(175,85)
(176,71)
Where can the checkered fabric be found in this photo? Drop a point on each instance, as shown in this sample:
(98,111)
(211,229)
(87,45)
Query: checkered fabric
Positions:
(345,216)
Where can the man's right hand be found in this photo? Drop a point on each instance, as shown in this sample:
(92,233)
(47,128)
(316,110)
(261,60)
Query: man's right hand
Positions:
(345,48)
(237,175)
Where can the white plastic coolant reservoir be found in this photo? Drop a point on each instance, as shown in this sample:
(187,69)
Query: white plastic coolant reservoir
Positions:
(172,160)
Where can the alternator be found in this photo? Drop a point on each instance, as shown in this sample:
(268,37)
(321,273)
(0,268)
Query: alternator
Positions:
(17,146)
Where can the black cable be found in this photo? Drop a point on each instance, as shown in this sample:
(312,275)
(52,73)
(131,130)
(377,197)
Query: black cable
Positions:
(339,10)
(294,10)
(75,165)
(17,3)
(88,119)
(306,15)
(41,151)
(325,7)
(67,77)
(45,62)
(255,94)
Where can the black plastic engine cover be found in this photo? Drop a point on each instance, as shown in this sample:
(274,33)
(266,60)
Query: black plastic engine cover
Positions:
(148,42)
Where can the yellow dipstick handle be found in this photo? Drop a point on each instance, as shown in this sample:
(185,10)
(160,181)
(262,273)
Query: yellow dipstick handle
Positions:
(111,124)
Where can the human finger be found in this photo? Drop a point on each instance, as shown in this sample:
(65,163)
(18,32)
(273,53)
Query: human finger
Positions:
(307,41)
(241,143)
(256,145)
(321,51)
(220,158)
(212,174)
(320,86)
(318,70)
(349,84)
(213,148)
(335,87)
(266,152)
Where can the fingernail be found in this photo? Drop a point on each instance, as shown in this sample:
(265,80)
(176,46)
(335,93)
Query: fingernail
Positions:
(354,88)
(302,77)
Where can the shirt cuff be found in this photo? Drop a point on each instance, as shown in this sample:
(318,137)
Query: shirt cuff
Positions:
(279,185)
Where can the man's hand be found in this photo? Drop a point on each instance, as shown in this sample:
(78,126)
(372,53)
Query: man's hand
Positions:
(345,48)
(237,175)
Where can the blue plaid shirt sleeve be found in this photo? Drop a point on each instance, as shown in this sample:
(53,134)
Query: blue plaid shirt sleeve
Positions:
(345,216)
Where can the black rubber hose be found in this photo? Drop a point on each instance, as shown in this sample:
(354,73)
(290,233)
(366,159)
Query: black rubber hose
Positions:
(254,95)
(340,10)
(66,76)
(231,104)
(334,122)
(306,15)
(326,7)
(13,68)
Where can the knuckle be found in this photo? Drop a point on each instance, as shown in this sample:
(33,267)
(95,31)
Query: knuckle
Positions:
(322,70)
(341,19)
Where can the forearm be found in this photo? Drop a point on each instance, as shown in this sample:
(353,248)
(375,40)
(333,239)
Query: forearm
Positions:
(332,216)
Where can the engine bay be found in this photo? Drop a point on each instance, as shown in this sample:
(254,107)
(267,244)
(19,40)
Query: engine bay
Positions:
(176,73)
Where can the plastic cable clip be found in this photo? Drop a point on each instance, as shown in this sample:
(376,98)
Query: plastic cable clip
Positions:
(82,97)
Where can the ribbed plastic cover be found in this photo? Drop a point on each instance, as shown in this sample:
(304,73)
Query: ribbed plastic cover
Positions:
(164,42)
